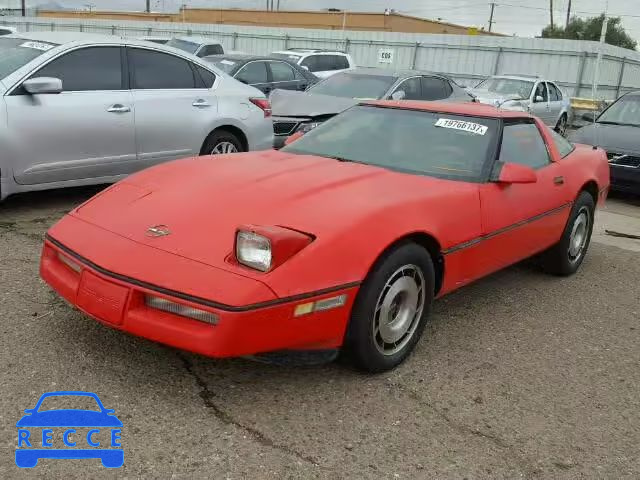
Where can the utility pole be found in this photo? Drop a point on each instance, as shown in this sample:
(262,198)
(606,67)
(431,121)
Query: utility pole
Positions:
(24,8)
(278,6)
(493,6)
(603,37)
(148,7)
(551,12)
(568,15)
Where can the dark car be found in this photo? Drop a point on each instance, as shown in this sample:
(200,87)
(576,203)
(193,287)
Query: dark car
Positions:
(264,73)
(302,111)
(617,130)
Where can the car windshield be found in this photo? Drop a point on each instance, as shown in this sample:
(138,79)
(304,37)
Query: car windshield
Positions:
(183,45)
(626,111)
(507,86)
(440,145)
(17,52)
(225,64)
(287,56)
(69,402)
(354,85)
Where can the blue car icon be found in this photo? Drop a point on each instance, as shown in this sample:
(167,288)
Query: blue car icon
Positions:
(35,433)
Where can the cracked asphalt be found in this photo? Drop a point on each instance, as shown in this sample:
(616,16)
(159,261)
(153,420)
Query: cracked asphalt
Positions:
(520,375)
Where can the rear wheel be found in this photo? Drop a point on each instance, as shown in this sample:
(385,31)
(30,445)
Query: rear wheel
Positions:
(566,256)
(391,309)
(221,142)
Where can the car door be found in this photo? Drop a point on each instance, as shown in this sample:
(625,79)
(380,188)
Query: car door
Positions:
(174,108)
(519,220)
(86,131)
(539,105)
(435,88)
(285,77)
(256,74)
(555,104)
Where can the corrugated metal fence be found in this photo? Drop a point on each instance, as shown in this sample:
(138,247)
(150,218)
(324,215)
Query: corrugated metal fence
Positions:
(465,58)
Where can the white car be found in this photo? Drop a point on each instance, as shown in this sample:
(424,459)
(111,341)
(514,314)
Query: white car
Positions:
(80,109)
(322,63)
(5,30)
(538,96)
(198,46)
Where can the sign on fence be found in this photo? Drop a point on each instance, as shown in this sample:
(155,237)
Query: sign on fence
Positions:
(385,55)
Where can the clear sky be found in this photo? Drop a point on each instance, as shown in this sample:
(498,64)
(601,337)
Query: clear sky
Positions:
(521,17)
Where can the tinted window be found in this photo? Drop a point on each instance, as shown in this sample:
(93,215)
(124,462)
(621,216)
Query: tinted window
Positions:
(207,77)
(541,91)
(332,62)
(564,146)
(96,68)
(435,88)
(312,63)
(157,70)
(211,50)
(523,144)
(554,93)
(183,45)
(411,88)
(253,72)
(353,85)
(281,72)
(459,146)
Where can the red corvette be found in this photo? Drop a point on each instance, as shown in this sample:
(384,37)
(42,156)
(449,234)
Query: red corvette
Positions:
(342,239)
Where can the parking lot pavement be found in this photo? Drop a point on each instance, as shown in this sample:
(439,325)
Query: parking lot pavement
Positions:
(520,375)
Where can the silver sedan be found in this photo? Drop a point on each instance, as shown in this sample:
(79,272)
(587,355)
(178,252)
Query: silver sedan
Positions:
(536,95)
(80,109)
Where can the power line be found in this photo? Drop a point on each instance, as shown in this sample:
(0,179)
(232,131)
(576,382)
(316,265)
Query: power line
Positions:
(493,6)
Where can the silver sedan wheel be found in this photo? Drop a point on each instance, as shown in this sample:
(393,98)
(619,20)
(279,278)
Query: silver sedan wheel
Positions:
(224,147)
(561,128)
(398,310)
(579,235)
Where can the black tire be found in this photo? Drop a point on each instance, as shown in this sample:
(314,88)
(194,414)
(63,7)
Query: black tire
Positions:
(562,125)
(561,259)
(362,346)
(220,137)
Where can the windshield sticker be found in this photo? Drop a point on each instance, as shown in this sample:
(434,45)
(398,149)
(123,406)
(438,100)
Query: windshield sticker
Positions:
(37,45)
(227,62)
(470,127)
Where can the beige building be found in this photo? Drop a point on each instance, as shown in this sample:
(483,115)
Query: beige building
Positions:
(392,22)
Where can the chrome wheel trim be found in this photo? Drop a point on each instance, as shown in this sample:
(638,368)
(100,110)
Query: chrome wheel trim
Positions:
(579,234)
(223,147)
(398,310)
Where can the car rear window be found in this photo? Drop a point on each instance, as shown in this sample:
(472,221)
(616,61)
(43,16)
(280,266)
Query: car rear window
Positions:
(441,145)
(183,45)
(353,85)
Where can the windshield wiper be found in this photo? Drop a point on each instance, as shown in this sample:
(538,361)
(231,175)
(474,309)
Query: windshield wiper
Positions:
(622,124)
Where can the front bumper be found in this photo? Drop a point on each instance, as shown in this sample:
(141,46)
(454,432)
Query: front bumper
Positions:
(119,302)
(626,179)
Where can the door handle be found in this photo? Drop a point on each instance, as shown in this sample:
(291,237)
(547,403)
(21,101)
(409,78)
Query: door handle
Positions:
(558,180)
(200,103)
(118,108)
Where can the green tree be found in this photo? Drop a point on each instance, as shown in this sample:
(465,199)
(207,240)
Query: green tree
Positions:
(590,28)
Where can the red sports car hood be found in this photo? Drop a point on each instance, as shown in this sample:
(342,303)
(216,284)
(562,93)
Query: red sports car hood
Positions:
(201,201)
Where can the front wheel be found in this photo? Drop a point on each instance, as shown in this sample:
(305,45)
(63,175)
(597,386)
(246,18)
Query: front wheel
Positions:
(561,126)
(391,309)
(566,256)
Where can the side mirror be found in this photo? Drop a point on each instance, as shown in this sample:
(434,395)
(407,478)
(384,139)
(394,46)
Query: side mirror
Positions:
(589,116)
(517,173)
(305,67)
(539,99)
(398,95)
(293,138)
(40,85)
(29,410)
